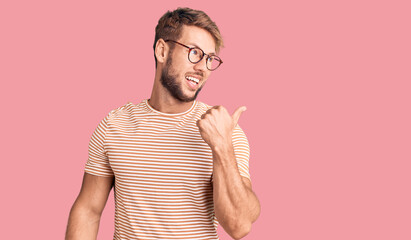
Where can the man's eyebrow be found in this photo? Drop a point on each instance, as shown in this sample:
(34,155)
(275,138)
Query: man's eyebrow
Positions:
(195,45)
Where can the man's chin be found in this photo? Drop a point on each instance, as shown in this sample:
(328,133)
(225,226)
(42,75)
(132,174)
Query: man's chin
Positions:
(189,97)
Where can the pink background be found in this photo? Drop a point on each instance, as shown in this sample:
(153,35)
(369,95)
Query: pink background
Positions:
(326,84)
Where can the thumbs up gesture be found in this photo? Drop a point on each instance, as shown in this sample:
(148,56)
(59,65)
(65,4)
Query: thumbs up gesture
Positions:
(216,125)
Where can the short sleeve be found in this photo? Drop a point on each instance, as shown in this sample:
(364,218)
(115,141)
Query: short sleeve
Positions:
(242,151)
(98,161)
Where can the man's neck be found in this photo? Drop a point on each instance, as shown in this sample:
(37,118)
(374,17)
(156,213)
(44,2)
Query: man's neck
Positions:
(169,105)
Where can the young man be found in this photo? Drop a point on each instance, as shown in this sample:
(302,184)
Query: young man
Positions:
(179,167)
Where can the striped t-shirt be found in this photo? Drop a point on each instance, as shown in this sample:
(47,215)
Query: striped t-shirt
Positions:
(162,170)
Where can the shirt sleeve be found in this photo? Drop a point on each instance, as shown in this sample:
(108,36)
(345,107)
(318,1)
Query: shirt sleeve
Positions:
(242,151)
(98,162)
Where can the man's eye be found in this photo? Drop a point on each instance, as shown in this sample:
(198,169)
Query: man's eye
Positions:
(194,52)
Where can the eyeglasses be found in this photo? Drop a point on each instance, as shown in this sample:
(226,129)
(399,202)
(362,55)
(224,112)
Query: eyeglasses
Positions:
(195,55)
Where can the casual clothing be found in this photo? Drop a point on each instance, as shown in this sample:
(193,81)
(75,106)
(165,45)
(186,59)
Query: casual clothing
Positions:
(163,171)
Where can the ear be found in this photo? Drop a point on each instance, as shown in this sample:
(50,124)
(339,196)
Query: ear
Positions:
(161,51)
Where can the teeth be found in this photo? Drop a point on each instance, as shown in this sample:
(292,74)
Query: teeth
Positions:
(193,79)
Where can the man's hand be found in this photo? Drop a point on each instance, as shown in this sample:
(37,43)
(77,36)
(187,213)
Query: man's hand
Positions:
(216,125)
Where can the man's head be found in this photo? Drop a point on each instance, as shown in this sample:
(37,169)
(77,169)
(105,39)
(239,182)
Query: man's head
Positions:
(171,24)
(176,33)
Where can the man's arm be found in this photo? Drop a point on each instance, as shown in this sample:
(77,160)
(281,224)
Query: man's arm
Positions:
(85,214)
(235,204)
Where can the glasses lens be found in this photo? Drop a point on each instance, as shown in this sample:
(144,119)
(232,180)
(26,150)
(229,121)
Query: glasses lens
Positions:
(213,62)
(195,55)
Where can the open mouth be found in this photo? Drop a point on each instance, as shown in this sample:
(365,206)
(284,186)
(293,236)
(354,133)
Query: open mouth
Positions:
(193,79)
(192,82)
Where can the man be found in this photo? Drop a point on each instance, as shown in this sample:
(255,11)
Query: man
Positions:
(178,166)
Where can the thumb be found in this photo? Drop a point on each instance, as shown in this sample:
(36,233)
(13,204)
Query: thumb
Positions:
(237,114)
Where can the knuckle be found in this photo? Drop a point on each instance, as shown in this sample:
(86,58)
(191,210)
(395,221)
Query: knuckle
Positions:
(199,123)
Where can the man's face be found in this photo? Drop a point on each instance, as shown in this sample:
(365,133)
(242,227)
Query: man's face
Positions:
(178,69)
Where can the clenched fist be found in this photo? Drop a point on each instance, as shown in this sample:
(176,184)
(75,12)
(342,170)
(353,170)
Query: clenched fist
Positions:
(216,125)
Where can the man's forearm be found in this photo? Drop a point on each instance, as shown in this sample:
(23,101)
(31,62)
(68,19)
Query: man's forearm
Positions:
(83,224)
(236,206)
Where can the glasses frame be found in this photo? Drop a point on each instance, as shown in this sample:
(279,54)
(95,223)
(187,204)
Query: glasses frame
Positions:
(204,54)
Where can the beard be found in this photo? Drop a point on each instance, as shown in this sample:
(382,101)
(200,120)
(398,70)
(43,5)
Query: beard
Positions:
(169,80)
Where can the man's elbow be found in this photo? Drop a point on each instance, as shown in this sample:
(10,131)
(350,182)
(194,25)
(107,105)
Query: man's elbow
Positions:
(240,231)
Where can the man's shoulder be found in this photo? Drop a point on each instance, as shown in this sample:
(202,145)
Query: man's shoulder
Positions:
(203,105)
(121,110)
(126,110)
